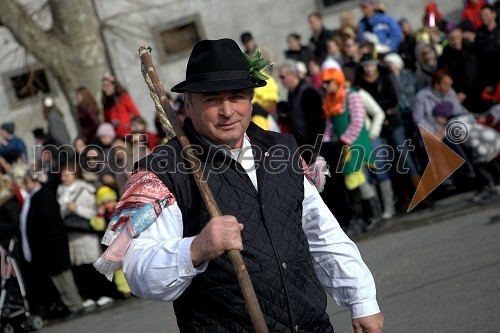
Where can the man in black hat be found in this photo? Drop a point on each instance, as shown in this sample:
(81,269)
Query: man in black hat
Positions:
(293,247)
(11,147)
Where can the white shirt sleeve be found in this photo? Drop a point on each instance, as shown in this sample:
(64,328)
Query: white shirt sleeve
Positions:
(158,263)
(336,259)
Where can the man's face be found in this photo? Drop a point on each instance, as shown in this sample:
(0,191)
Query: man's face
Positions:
(444,86)
(368,9)
(29,185)
(370,69)
(350,47)
(293,43)
(455,39)
(221,117)
(288,79)
(406,27)
(315,23)
(249,45)
(3,133)
(487,16)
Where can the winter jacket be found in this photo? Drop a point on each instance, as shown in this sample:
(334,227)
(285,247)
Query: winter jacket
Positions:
(120,114)
(385,27)
(88,123)
(84,248)
(425,101)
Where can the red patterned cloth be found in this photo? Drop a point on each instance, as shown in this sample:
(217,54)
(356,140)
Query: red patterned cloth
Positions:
(144,197)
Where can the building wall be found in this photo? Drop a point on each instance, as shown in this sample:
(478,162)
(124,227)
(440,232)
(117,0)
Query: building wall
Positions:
(269,21)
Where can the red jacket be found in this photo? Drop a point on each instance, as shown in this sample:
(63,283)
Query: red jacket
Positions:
(472,13)
(120,114)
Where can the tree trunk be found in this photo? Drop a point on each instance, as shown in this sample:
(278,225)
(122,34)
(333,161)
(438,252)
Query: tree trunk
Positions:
(72,50)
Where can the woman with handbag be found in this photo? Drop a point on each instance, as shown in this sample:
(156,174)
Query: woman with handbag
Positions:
(77,201)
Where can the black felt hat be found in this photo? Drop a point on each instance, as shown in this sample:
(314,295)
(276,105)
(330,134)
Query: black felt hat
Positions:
(217,65)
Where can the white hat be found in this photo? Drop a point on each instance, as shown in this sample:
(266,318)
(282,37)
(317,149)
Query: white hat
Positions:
(395,59)
(330,63)
(373,38)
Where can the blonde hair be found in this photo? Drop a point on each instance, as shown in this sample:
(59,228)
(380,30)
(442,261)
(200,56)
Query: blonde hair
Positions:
(5,189)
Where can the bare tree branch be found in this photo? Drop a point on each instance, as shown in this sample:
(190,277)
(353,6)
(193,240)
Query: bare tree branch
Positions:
(28,33)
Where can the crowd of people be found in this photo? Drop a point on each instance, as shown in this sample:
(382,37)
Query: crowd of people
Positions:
(355,94)
(367,86)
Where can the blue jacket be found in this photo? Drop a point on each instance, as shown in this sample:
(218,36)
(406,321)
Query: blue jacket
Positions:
(15,147)
(385,27)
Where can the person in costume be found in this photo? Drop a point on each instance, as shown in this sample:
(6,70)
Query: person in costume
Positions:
(293,247)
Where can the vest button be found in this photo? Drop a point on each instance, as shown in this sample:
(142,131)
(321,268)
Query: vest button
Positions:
(284,265)
(296,328)
(187,271)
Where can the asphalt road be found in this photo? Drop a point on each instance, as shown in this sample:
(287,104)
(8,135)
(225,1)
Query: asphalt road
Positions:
(443,277)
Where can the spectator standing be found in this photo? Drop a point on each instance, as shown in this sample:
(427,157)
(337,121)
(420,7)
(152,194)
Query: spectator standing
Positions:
(472,12)
(462,64)
(296,51)
(12,148)
(382,25)
(88,113)
(248,43)
(407,45)
(426,64)
(487,48)
(118,106)
(78,197)
(304,106)
(374,120)
(378,80)
(56,128)
(347,114)
(10,208)
(45,247)
(319,35)
(350,53)
(468,33)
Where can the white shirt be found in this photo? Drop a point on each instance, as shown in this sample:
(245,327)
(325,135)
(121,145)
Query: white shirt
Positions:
(158,264)
(22,224)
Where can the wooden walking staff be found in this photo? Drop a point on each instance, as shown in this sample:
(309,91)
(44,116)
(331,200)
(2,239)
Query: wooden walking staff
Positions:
(173,128)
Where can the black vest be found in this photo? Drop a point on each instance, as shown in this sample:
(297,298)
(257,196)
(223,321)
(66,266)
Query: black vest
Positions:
(276,251)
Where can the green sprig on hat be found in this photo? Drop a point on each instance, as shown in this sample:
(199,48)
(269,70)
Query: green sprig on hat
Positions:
(255,65)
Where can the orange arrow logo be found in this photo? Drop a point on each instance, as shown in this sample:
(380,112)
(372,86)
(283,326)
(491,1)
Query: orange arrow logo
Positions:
(442,163)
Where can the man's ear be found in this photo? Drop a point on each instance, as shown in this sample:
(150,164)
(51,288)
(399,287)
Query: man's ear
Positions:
(187,106)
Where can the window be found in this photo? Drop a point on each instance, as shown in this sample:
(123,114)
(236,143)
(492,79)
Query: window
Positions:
(176,39)
(22,86)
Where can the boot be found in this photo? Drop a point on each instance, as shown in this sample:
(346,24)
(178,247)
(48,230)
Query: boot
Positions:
(387,199)
(376,211)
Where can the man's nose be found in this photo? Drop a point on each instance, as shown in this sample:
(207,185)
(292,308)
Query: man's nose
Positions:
(226,109)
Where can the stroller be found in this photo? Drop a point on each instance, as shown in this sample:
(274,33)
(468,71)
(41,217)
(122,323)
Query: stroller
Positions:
(15,315)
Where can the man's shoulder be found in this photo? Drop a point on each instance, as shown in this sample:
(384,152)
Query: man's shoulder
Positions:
(382,17)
